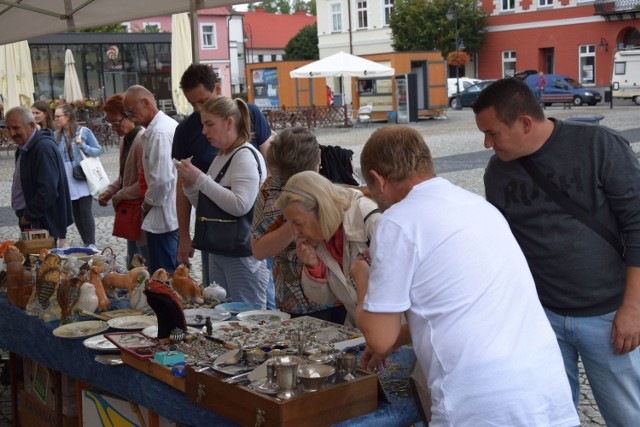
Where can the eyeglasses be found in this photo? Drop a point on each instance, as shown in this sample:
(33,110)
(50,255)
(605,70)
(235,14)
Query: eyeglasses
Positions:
(116,123)
(58,116)
(129,111)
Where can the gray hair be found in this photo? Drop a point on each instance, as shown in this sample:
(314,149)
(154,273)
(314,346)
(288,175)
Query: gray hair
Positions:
(25,115)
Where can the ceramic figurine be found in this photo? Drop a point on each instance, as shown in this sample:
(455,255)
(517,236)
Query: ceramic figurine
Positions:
(68,296)
(185,285)
(88,298)
(214,291)
(208,326)
(94,279)
(138,299)
(126,281)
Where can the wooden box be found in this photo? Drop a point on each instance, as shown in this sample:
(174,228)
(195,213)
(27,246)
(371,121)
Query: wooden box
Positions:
(27,247)
(245,406)
(154,369)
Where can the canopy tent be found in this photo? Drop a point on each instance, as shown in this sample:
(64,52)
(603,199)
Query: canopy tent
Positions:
(72,90)
(180,59)
(21,20)
(342,64)
(16,75)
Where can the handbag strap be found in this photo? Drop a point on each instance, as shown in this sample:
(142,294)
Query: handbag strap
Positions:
(570,205)
(80,149)
(226,165)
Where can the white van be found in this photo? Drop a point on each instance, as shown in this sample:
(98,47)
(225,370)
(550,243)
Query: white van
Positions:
(465,82)
(626,75)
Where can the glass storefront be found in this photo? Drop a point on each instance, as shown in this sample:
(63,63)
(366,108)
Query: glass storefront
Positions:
(106,63)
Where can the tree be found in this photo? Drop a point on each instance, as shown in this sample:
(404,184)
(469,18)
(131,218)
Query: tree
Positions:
(423,25)
(285,7)
(303,45)
(114,28)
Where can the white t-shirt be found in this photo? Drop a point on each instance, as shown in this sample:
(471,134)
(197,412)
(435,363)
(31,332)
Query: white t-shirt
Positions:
(448,258)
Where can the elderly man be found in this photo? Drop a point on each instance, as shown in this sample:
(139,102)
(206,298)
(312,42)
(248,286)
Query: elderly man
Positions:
(127,185)
(159,208)
(588,285)
(457,273)
(39,194)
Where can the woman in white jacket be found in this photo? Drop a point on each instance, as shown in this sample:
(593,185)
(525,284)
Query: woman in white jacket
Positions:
(333,224)
(227,126)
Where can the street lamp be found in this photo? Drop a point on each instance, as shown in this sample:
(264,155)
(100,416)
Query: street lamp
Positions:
(452,13)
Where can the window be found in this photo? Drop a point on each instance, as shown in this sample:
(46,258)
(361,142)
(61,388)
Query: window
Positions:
(388,8)
(150,27)
(508,4)
(587,72)
(362,14)
(543,3)
(336,17)
(126,26)
(208,36)
(619,68)
(508,63)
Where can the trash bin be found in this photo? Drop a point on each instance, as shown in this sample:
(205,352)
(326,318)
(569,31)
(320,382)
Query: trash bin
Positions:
(587,118)
(392,117)
(607,96)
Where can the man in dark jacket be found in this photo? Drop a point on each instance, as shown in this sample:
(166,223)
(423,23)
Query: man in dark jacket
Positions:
(39,194)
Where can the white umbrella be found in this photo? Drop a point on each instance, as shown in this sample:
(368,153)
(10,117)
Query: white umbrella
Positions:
(16,75)
(180,59)
(72,90)
(21,20)
(342,64)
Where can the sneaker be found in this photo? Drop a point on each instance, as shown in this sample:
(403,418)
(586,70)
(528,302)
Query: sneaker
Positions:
(62,244)
(92,247)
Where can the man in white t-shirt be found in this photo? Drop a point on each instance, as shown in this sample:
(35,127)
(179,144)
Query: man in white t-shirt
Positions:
(447,260)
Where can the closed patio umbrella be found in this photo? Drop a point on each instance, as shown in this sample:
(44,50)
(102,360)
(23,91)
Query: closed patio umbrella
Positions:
(72,90)
(180,59)
(16,75)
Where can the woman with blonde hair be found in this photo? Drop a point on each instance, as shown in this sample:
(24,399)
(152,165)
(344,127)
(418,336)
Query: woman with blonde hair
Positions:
(42,113)
(232,183)
(293,150)
(71,139)
(332,224)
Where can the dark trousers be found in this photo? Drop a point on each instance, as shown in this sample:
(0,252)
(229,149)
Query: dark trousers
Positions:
(83,217)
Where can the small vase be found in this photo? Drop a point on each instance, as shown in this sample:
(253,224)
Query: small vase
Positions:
(138,299)
(88,298)
(214,291)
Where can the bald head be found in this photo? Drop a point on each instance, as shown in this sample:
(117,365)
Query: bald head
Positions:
(139,105)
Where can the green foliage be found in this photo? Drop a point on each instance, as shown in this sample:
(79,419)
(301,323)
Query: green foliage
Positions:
(303,45)
(423,25)
(114,28)
(285,7)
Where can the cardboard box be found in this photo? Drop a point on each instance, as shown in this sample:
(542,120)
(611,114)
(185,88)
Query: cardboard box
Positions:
(104,409)
(33,413)
(27,247)
(39,383)
(321,408)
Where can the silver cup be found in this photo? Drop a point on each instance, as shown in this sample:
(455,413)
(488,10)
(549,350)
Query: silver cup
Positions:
(347,366)
(287,372)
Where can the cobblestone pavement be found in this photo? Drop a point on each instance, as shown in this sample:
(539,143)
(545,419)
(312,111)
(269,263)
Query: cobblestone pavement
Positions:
(459,155)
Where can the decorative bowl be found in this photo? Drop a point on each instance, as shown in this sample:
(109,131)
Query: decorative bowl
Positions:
(313,376)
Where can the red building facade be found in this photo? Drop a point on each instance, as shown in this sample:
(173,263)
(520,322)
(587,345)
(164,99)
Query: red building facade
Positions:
(569,37)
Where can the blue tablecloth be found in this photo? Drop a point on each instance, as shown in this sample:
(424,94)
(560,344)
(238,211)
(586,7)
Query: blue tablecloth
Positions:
(33,338)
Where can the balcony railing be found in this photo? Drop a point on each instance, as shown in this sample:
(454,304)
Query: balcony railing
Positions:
(619,7)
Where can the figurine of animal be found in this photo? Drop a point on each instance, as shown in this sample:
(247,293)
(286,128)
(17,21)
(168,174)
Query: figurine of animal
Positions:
(127,280)
(185,285)
(137,261)
(94,279)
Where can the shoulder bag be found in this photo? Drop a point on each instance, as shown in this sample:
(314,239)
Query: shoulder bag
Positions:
(128,219)
(78,173)
(571,206)
(219,232)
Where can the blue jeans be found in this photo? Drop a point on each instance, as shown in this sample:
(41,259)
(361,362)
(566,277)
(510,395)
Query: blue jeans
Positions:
(271,288)
(614,378)
(162,248)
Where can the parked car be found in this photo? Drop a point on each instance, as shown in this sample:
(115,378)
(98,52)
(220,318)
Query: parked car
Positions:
(469,95)
(560,84)
(465,82)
